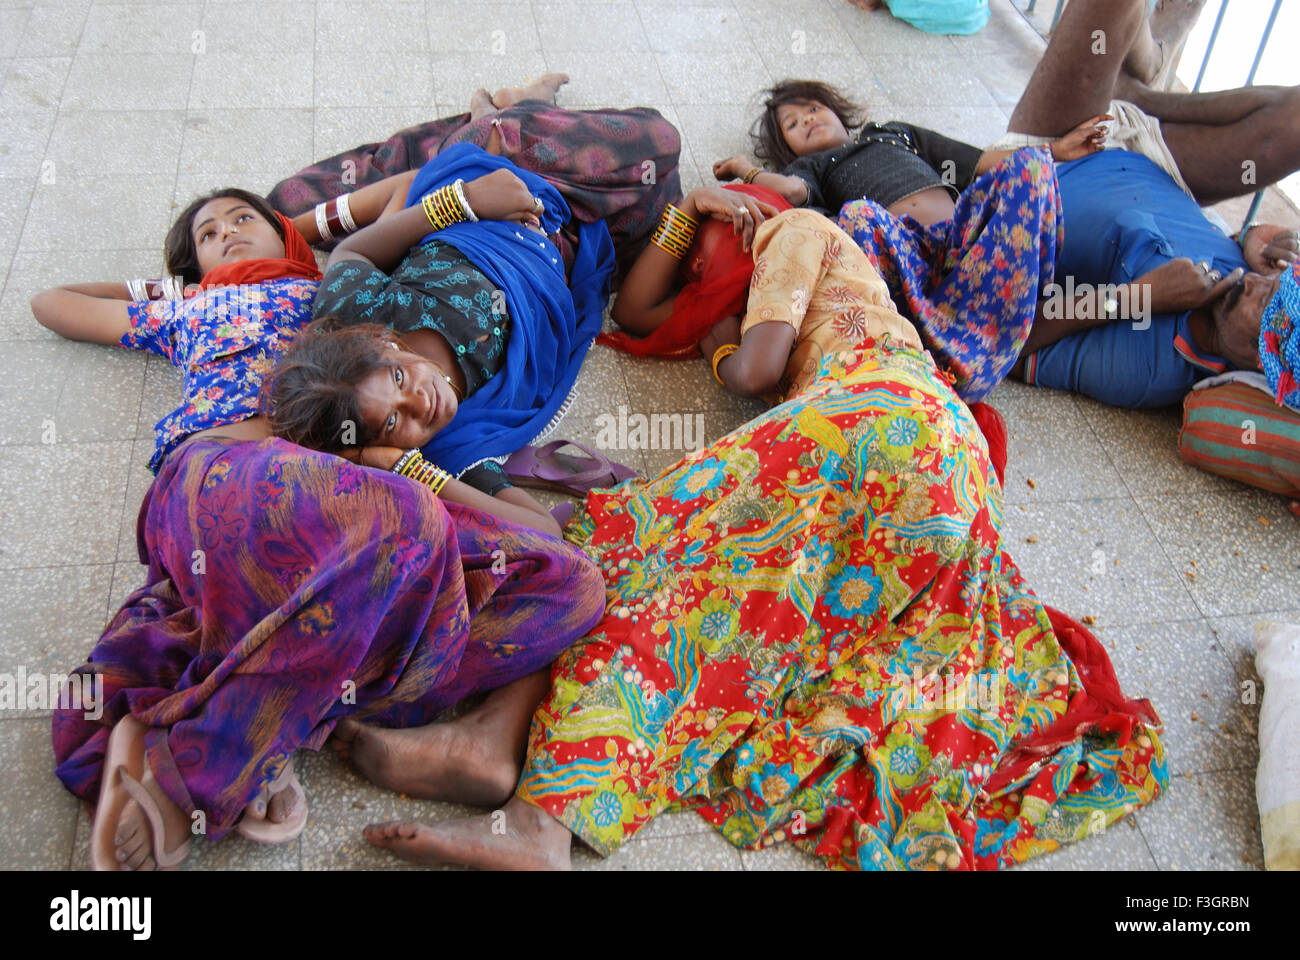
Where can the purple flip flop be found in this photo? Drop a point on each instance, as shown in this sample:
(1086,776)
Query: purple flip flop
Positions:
(541,468)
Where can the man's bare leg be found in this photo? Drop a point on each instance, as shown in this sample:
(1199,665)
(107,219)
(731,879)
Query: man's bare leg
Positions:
(1075,78)
(1169,24)
(517,837)
(1222,160)
(474,759)
(1097,42)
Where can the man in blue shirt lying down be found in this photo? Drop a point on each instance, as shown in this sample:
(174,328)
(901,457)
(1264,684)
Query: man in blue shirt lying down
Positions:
(1131,215)
(1124,218)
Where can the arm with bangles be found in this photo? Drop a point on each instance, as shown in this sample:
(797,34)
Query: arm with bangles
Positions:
(510,504)
(499,195)
(648,293)
(383,244)
(749,364)
(349,212)
(793,189)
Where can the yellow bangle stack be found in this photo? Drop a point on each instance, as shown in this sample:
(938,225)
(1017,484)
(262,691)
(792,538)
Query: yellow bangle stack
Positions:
(413,465)
(675,232)
(443,207)
(720,354)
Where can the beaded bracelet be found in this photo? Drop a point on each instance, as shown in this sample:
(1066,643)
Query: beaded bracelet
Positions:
(405,458)
(413,465)
(675,233)
(720,354)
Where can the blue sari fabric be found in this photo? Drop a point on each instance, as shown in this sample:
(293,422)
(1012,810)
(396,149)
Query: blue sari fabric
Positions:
(552,325)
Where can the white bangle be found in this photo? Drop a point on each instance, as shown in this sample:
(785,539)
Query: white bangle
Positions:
(137,289)
(345,214)
(322,222)
(173,288)
(459,188)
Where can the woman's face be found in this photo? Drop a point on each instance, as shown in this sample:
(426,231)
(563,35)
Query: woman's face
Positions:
(406,404)
(810,126)
(227,230)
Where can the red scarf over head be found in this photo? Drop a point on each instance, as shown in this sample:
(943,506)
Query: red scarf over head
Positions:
(298,261)
(722,290)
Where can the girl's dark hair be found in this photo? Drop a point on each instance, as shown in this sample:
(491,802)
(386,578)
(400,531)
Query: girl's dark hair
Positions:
(310,398)
(769,143)
(179,251)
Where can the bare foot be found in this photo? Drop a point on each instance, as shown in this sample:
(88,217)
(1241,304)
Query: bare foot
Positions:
(134,837)
(544,87)
(517,837)
(481,105)
(462,761)
(1152,56)
(277,802)
(1172,20)
(867,4)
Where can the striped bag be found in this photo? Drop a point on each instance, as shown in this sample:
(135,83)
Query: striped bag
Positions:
(1238,431)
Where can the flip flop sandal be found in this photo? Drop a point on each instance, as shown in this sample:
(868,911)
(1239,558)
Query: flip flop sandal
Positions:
(126,773)
(261,830)
(541,468)
(562,514)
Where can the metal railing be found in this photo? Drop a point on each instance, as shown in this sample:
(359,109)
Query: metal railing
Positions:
(1205,62)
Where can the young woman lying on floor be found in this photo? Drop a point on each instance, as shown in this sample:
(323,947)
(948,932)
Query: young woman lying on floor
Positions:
(286,588)
(492,338)
(813,630)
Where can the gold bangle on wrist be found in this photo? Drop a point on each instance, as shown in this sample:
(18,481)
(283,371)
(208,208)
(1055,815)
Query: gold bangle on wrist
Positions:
(720,354)
(749,177)
(443,208)
(675,233)
(413,466)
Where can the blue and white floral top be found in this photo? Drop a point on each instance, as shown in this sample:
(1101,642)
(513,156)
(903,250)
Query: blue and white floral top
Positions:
(226,340)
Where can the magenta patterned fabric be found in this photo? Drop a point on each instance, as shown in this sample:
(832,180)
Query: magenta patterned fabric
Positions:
(288,589)
(619,166)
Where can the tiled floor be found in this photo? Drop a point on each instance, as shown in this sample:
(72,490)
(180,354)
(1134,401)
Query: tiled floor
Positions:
(113,114)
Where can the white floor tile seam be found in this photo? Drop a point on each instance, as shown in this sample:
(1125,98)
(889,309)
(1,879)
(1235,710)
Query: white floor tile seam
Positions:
(1146,842)
(81,29)
(1180,569)
(1146,517)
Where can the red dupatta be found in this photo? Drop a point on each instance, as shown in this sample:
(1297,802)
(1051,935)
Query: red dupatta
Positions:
(298,261)
(722,290)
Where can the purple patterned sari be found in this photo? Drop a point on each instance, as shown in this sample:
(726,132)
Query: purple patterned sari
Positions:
(288,589)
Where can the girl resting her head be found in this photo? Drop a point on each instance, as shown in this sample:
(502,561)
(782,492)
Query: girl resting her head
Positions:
(470,340)
(805,138)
